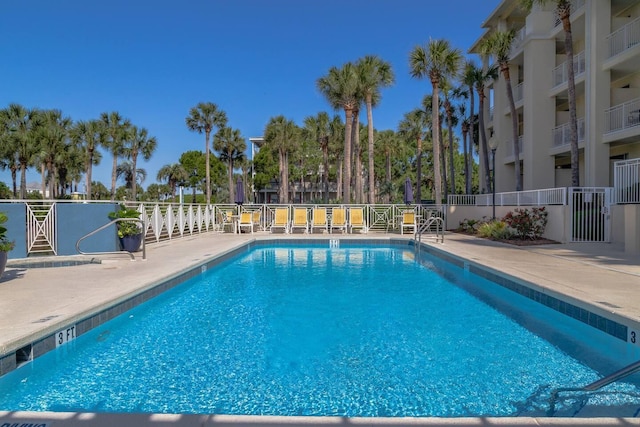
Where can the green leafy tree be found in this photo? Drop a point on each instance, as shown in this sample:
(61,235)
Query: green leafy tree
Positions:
(374,74)
(52,136)
(481,78)
(341,89)
(140,143)
(131,176)
(116,130)
(203,118)
(231,146)
(20,138)
(413,126)
(468,79)
(282,135)
(88,137)
(174,175)
(499,44)
(436,60)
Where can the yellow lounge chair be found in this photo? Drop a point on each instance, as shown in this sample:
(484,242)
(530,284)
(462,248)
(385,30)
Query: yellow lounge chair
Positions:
(226,220)
(408,221)
(319,219)
(280,220)
(338,219)
(300,219)
(256,219)
(356,219)
(246,221)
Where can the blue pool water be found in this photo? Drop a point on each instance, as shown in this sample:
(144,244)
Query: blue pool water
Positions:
(357,331)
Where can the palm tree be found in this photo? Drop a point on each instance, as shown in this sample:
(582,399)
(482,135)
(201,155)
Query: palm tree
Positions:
(341,88)
(116,131)
(413,126)
(139,143)
(563,10)
(389,146)
(203,118)
(465,127)
(20,122)
(451,93)
(51,133)
(173,175)
(231,146)
(499,44)
(374,74)
(468,79)
(481,78)
(282,134)
(131,175)
(318,128)
(436,60)
(88,136)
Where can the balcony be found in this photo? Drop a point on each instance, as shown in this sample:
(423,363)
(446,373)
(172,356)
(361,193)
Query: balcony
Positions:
(562,134)
(625,38)
(561,73)
(575,5)
(518,40)
(622,117)
(510,157)
(517,92)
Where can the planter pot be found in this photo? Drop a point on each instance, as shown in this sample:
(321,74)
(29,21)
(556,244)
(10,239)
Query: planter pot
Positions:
(131,243)
(3,262)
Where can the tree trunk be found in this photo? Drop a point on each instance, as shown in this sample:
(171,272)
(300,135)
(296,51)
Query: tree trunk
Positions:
(89,171)
(346,184)
(514,123)
(435,117)
(443,159)
(483,142)
(469,164)
(418,171)
(207,168)
(573,119)
(325,163)
(114,168)
(452,166)
(372,179)
(357,158)
(388,164)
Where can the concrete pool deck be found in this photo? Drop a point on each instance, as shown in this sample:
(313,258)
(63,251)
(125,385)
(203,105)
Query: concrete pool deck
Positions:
(35,302)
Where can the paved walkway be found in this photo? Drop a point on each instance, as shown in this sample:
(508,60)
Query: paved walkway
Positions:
(35,302)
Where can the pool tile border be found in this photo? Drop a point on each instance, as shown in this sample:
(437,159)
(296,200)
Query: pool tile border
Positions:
(528,290)
(39,347)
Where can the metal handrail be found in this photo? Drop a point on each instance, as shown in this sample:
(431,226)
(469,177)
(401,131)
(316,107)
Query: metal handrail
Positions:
(596,385)
(133,258)
(439,223)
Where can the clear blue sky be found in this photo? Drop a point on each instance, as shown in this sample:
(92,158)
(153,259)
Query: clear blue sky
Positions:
(152,60)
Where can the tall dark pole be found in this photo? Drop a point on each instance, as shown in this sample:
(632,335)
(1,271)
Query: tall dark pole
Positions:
(194,175)
(493,180)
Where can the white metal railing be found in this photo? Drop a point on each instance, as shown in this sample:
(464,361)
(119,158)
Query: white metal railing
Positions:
(626,181)
(622,116)
(547,196)
(510,150)
(562,133)
(624,38)
(518,92)
(518,39)
(561,73)
(490,114)
(575,6)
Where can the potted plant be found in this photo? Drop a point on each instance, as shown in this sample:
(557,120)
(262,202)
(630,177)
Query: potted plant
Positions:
(129,232)
(5,244)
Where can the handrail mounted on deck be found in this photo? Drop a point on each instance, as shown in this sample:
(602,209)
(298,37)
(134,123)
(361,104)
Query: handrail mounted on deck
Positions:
(133,258)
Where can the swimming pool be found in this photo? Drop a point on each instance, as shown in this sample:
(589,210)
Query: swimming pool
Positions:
(356,331)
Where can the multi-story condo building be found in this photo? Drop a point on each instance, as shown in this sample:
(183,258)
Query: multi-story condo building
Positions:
(606,46)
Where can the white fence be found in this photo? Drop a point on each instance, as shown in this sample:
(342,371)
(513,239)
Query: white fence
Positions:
(622,116)
(624,38)
(548,196)
(626,178)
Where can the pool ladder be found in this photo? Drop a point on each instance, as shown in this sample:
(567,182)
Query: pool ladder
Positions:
(596,385)
(133,258)
(433,223)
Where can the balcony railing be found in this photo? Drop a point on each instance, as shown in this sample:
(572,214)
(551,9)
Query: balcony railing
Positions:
(490,115)
(622,116)
(626,181)
(561,74)
(575,5)
(562,133)
(624,38)
(509,144)
(517,92)
(518,39)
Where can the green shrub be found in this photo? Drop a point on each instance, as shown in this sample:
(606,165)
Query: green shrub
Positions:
(527,224)
(126,228)
(496,229)
(5,244)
